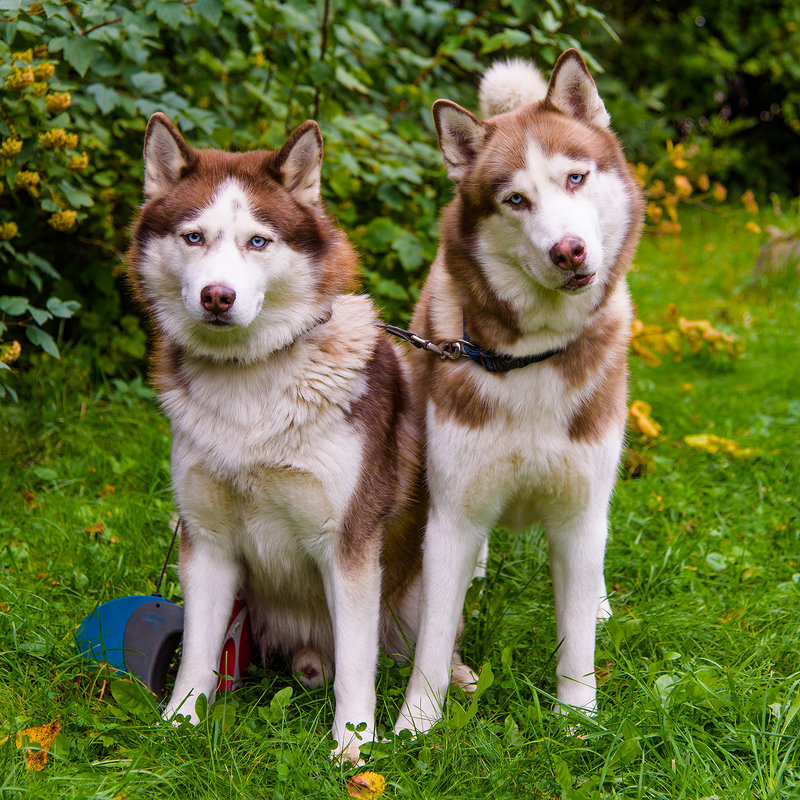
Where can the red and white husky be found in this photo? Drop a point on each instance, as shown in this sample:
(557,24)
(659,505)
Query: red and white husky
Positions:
(528,426)
(296,457)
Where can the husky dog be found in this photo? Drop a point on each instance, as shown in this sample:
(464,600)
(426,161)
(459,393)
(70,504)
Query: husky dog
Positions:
(527,425)
(296,457)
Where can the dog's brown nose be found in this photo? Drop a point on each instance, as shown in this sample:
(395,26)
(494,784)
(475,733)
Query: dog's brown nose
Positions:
(569,253)
(217,298)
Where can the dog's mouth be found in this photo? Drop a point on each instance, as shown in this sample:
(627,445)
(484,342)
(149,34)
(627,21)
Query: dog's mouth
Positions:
(577,282)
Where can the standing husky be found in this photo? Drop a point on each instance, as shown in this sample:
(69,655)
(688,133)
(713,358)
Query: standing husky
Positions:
(295,457)
(527,426)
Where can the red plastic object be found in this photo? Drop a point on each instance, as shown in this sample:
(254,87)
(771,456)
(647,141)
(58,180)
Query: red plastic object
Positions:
(236,651)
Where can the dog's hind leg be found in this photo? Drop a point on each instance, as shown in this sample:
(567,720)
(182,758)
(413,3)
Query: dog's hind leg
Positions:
(311,669)
(461,675)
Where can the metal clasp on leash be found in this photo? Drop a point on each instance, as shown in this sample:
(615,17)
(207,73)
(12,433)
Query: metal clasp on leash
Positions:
(447,351)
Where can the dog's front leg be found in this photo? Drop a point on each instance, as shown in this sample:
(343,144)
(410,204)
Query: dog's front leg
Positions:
(354,597)
(577,549)
(210,579)
(452,545)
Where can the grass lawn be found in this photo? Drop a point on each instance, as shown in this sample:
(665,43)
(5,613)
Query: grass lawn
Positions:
(699,667)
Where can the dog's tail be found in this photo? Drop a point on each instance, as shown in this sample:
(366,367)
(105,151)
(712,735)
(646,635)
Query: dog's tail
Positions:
(508,85)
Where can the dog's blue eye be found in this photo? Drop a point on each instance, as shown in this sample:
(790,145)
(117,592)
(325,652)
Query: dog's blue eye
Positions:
(194,237)
(258,242)
(576,179)
(516,199)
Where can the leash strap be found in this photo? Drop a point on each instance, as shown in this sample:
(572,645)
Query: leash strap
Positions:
(453,349)
(169,553)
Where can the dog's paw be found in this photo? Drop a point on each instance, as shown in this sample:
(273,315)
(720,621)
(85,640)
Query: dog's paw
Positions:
(463,677)
(419,716)
(177,710)
(604,613)
(348,744)
(310,668)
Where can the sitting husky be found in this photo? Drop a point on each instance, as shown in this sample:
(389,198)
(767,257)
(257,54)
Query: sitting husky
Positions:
(295,456)
(527,425)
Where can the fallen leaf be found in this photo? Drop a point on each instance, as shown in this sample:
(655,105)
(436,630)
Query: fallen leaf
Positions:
(640,420)
(366,785)
(717,444)
(43,736)
(94,530)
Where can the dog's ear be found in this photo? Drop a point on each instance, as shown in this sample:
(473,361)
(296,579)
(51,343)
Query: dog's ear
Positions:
(299,163)
(461,137)
(573,91)
(166,154)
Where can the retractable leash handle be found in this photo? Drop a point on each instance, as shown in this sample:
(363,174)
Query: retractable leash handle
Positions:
(140,634)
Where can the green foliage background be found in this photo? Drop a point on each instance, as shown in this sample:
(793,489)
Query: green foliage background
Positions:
(242,74)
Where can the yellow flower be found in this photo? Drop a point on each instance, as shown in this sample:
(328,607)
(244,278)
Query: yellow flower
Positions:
(719,192)
(19,79)
(57,102)
(654,212)
(10,352)
(749,202)
(11,147)
(44,72)
(39,89)
(63,220)
(704,183)
(77,163)
(8,230)
(58,139)
(669,228)
(25,55)
(752,227)
(26,178)
(683,185)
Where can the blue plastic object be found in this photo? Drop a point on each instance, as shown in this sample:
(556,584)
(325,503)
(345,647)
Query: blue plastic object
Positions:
(138,634)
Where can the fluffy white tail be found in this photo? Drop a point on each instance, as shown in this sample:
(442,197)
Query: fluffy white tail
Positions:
(508,85)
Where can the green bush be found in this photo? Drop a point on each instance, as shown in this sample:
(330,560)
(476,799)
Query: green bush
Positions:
(234,74)
(81,79)
(719,74)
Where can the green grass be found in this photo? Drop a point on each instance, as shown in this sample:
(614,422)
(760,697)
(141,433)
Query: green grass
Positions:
(700,664)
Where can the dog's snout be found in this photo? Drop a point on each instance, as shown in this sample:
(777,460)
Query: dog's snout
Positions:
(569,253)
(217,298)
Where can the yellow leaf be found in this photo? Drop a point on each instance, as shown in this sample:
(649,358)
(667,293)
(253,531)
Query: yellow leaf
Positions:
(43,735)
(716,444)
(640,419)
(366,785)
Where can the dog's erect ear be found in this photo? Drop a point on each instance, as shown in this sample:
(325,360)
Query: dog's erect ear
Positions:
(461,137)
(573,91)
(165,156)
(299,163)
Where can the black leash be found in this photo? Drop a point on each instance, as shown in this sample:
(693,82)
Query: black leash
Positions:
(169,553)
(453,349)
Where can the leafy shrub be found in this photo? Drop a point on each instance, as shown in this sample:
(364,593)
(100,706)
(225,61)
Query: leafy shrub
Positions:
(243,73)
(722,75)
(234,74)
